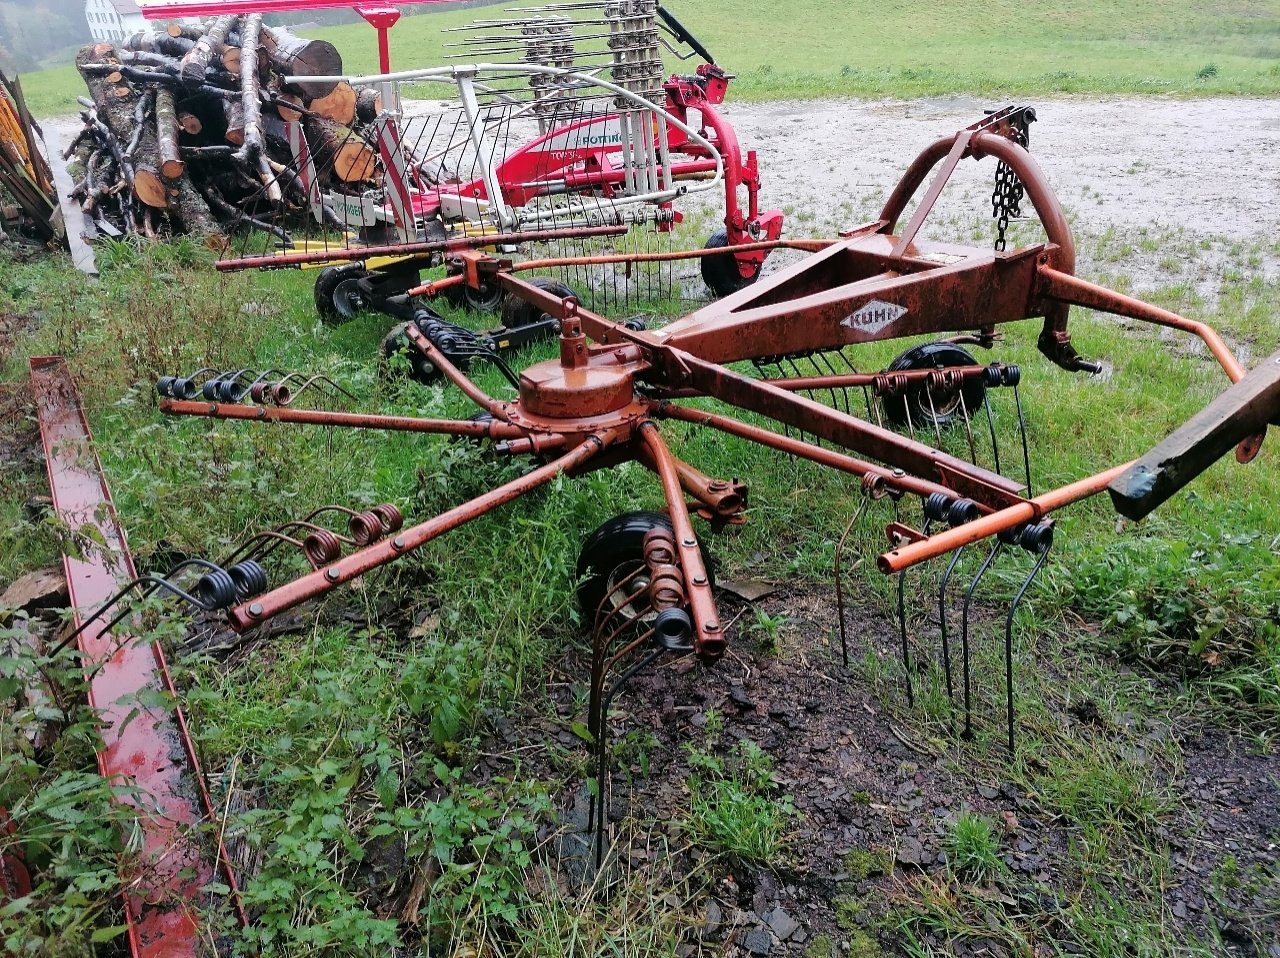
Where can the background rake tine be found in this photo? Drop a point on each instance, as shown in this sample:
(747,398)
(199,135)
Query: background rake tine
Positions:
(942,621)
(1008,637)
(995,445)
(964,636)
(1022,433)
(968,428)
(902,628)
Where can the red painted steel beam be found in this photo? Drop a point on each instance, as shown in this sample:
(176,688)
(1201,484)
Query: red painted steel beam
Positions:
(143,748)
(171,9)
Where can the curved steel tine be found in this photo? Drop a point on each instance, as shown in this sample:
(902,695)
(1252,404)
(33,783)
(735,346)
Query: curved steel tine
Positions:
(314,380)
(1022,433)
(156,582)
(968,428)
(601,743)
(942,619)
(964,636)
(1008,638)
(995,444)
(902,625)
(937,428)
(844,641)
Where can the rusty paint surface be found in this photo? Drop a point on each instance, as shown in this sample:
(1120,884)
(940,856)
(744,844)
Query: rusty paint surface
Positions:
(143,748)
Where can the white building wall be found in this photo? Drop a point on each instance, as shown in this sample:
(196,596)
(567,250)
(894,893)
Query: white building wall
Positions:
(108,24)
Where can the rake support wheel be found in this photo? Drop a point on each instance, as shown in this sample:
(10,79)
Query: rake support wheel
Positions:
(487,299)
(721,273)
(395,343)
(516,312)
(614,551)
(326,291)
(916,407)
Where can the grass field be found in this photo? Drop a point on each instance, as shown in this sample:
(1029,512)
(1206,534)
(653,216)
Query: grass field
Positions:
(816,48)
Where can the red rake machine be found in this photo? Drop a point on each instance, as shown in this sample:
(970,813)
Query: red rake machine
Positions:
(646,583)
(502,155)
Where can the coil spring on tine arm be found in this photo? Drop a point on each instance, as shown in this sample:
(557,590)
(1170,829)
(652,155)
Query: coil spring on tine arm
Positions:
(217,588)
(182,387)
(321,546)
(392,518)
(890,384)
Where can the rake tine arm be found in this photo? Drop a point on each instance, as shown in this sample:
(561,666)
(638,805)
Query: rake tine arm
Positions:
(903,483)
(324,580)
(708,634)
(850,432)
(994,523)
(351,420)
(454,374)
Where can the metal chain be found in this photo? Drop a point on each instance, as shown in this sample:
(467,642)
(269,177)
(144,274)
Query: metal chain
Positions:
(1006,198)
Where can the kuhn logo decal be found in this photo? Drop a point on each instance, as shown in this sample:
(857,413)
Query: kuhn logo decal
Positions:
(874,316)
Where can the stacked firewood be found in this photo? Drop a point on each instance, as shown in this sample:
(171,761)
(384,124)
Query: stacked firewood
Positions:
(24,175)
(184,130)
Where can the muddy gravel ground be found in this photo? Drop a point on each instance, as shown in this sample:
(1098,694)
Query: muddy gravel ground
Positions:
(874,797)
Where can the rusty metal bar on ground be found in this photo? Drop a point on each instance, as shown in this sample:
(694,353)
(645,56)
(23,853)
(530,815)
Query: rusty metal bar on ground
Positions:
(144,748)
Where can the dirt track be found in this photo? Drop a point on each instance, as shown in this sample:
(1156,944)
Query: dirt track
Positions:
(1210,167)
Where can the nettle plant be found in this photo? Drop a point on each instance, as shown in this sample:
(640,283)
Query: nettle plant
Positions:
(73,830)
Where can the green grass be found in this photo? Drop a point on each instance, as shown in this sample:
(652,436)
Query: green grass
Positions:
(816,48)
(973,847)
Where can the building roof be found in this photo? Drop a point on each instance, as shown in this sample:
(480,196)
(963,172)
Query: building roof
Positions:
(123,7)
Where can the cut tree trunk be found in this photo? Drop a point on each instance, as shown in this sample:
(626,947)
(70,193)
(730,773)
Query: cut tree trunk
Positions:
(339,106)
(235,121)
(171,164)
(368,105)
(294,56)
(176,29)
(148,41)
(341,153)
(201,55)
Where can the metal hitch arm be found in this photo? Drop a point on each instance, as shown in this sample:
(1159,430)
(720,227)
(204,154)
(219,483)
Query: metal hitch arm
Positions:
(1243,411)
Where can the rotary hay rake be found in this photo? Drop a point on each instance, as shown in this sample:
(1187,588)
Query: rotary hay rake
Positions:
(645,580)
(542,151)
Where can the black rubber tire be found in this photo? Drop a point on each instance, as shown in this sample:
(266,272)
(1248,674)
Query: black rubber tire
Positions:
(421,370)
(720,273)
(348,300)
(944,410)
(327,284)
(487,299)
(516,312)
(619,542)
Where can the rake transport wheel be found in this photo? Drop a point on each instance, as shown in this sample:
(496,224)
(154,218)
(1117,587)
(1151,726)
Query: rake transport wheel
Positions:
(396,344)
(916,407)
(720,273)
(516,312)
(328,283)
(487,299)
(613,552)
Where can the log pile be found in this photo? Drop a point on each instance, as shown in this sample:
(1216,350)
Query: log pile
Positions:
(184,130)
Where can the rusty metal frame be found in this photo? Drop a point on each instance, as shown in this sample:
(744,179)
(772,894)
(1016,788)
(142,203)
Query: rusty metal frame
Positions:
(601,402)
(146,751)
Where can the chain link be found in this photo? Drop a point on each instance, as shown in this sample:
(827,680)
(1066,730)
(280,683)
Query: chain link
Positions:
(1006,198)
